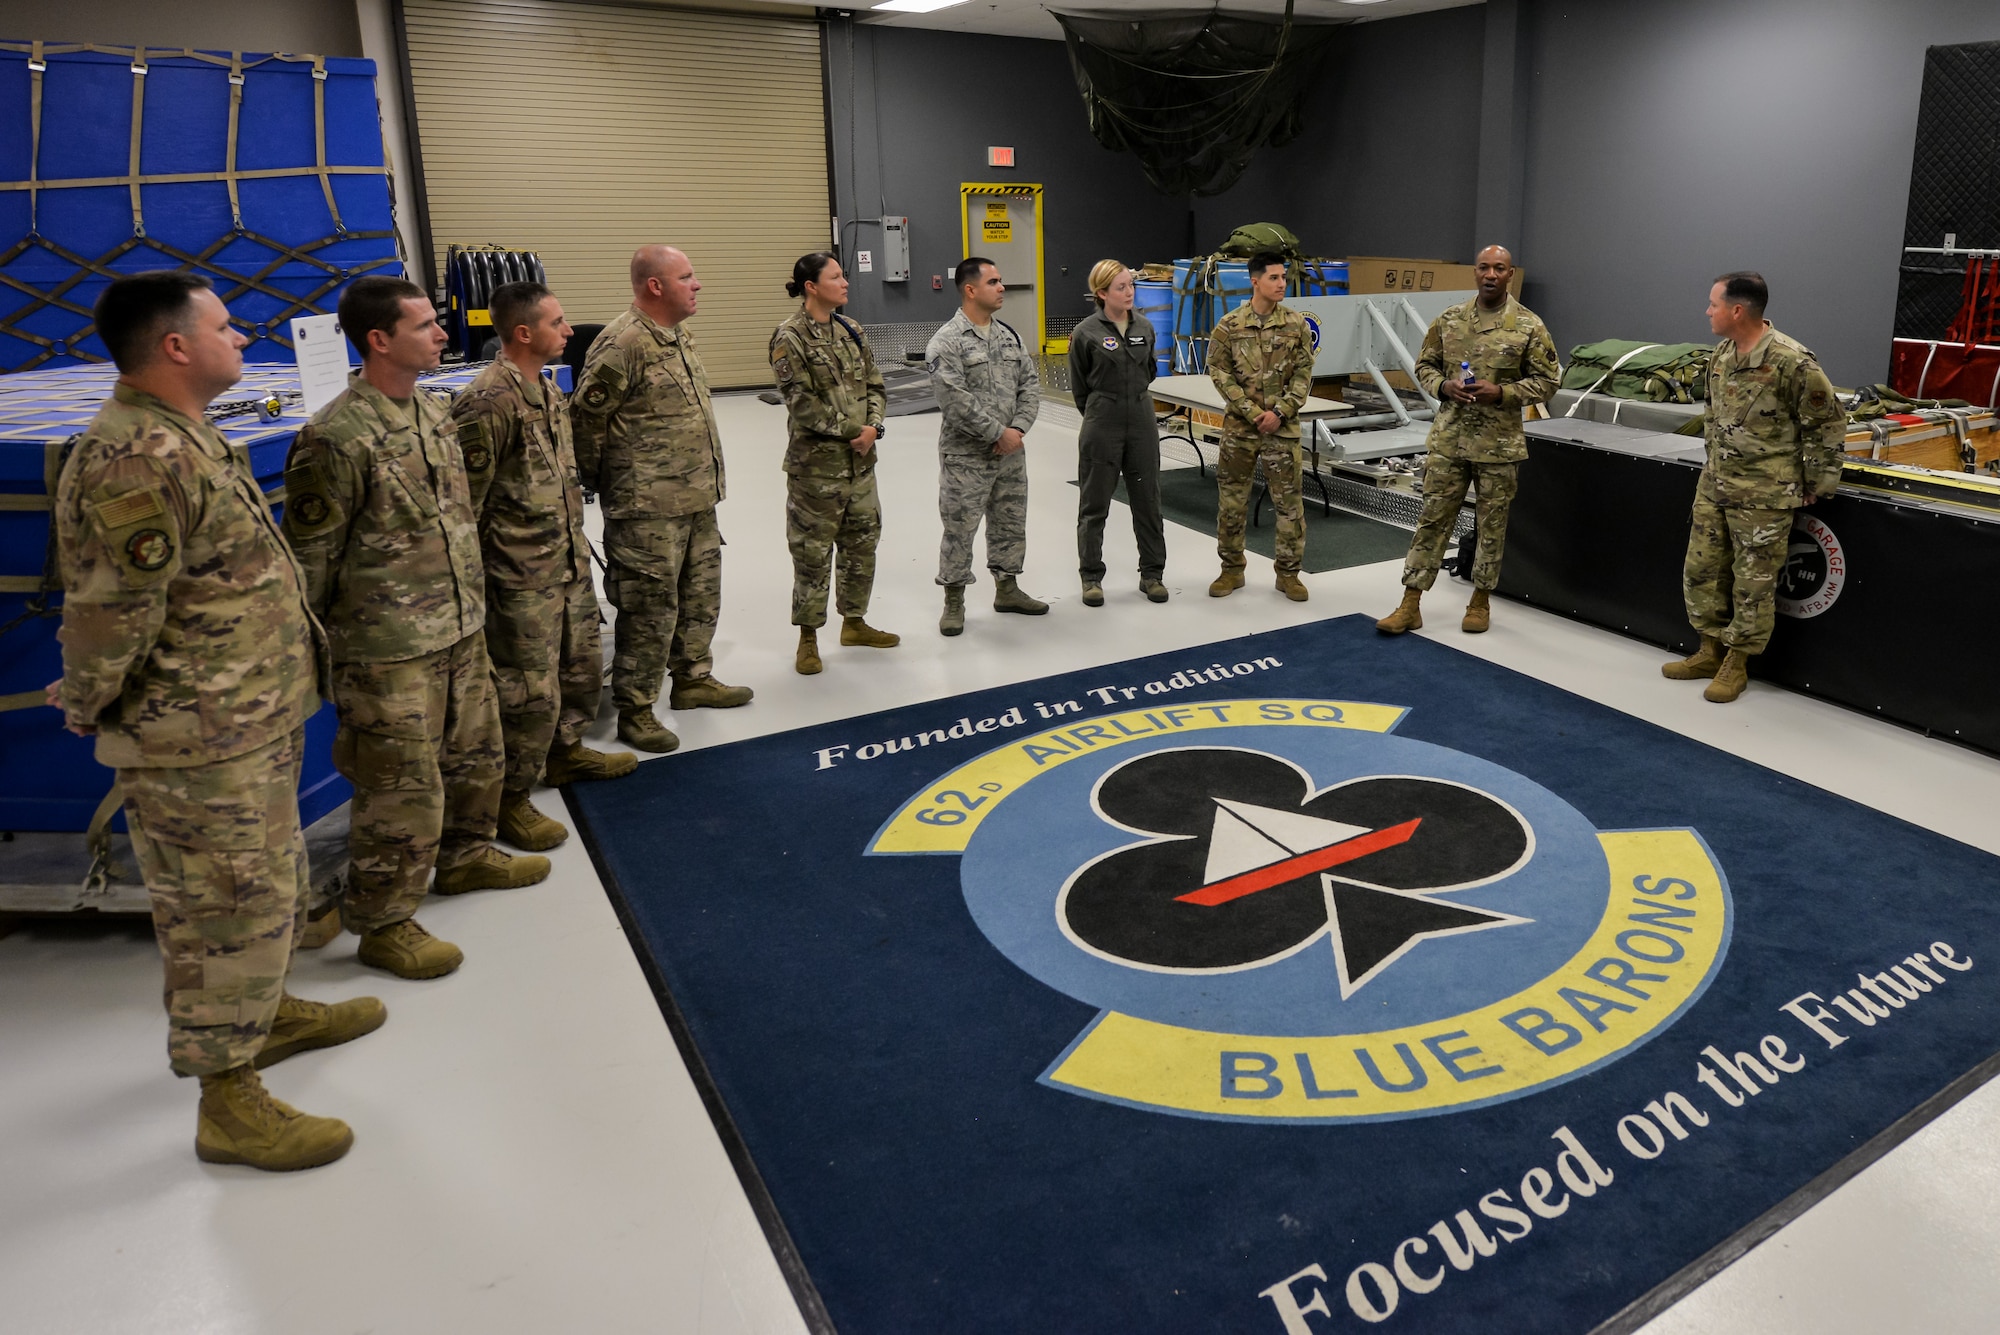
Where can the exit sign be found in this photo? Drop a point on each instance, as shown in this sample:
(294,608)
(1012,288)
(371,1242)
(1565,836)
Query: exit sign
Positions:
(999,157)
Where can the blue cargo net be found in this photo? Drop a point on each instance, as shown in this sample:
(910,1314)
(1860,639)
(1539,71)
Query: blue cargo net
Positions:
(264,173)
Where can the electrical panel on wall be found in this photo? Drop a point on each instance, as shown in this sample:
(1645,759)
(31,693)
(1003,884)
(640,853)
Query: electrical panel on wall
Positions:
(896,250)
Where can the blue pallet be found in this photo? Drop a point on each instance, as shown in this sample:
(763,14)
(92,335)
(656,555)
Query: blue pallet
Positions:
(49,778)
(291,242)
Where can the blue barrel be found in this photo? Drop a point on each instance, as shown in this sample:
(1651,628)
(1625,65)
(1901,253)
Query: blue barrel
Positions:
(1155,301)
(1232,286)
(1324,278)
(1193,316)
(50,779)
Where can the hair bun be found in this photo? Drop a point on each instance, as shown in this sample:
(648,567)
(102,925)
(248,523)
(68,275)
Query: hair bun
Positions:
(792,288)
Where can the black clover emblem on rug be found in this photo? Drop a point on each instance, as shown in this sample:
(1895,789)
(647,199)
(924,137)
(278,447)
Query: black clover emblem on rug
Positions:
(1246,864)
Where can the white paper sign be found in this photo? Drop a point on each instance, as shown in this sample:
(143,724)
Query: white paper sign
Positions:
(864,261)
(322,354)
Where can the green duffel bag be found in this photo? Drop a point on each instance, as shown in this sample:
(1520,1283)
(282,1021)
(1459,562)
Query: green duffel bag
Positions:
(1254,239)
(1656,372)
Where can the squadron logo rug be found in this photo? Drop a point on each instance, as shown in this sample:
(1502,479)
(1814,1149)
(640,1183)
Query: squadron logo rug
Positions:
(1286,913)
(1305,982)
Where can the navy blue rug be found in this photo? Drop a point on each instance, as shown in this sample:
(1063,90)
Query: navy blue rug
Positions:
(1299,983)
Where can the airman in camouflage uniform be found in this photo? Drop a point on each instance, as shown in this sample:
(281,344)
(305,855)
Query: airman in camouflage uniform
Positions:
(1774,433)
(541,610)
(836,402)
(647,443)
(380,513)
(1260,358)
(190,654)
(990,392)
(1476,440)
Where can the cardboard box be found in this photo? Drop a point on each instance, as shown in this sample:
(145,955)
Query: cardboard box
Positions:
(1379,273)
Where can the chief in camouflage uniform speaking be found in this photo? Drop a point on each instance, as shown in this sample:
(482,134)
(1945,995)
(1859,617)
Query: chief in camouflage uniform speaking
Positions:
(190,654)
(541,611)
(380,513)
(1260,358)
(1476,440)
(647,444)
(1774,434)
(836,402)
(987,386)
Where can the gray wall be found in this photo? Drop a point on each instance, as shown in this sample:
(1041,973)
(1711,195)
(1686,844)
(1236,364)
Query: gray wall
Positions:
(300,27)
(937,100)
(1385,166)
(1670,143)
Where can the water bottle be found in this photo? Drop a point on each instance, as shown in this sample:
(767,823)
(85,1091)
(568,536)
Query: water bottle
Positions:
(1465,369)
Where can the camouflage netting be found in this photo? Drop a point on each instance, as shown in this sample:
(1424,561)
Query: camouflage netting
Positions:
(1194,95)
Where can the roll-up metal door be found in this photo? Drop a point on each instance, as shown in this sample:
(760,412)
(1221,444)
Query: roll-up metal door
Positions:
(582,131)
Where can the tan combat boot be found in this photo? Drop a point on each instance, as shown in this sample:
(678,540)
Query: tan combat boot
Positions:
(524,827)
(806,658)
(1730,679)
(856,633)
(1093,594)
(708,693)
(1228,582)
(408,951)
(239,1122)
(1701,663)
(1292,586)
(1008,596)
(1478,615)
(491,870)
(303,1025)
(321,928)
(638,729)
(953,620)
(1406,616)
(1154,590)
(577,763)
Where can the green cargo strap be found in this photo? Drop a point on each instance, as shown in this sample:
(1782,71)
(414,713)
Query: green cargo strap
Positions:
(36,66)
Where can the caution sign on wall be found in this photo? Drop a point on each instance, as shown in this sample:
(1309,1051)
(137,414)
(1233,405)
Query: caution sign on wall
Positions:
(996,228)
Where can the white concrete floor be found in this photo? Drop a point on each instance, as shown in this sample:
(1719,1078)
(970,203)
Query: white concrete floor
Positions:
(530,1153)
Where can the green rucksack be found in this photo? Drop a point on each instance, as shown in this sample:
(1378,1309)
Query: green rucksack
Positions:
(1624,369)
(1253,239)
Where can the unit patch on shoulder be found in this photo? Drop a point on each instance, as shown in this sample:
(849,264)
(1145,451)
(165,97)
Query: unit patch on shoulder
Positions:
(783,368)
(478,458)
(130,508)
(1110,343)
(149,549)
(596,396)
(311,509)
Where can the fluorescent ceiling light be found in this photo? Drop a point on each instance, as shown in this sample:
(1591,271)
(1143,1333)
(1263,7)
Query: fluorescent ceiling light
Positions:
(917,6)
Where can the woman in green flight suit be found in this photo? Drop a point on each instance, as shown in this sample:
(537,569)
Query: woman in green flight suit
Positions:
(1110,374)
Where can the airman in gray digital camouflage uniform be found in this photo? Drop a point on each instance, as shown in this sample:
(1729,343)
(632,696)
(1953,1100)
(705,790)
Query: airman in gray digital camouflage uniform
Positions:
(989,390)
(541,609)
(191,656)
(379,510)
(835,400)
(1774,434)
(1477,440)
(1260,358)
(647,444)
